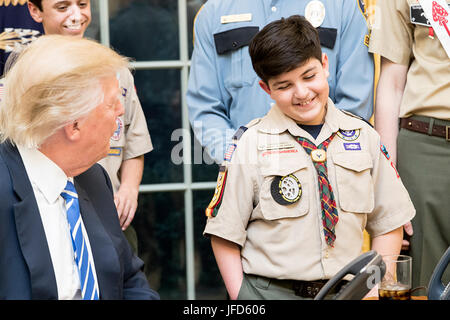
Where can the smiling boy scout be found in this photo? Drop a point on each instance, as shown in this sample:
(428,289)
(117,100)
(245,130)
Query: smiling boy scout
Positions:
(298,186)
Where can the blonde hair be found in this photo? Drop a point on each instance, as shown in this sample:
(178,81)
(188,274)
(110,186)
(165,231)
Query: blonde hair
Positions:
(55,81)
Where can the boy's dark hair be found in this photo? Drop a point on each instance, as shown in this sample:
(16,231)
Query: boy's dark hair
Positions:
(37,3)
(284,45)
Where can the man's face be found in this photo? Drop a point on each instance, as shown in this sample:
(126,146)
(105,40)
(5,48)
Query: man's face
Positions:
(302,93)
(65,17)
(99,125)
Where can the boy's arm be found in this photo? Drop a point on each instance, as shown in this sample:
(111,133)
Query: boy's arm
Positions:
(228,258)
(387,107)
(126,197)
(388,243)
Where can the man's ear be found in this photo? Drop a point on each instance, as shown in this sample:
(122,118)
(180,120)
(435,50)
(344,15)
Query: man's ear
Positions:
(72,131)
(35,13)
(265,87)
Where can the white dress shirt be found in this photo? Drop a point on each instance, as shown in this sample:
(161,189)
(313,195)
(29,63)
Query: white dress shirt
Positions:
(48,181)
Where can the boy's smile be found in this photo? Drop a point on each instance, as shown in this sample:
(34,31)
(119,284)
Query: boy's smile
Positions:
(302,93)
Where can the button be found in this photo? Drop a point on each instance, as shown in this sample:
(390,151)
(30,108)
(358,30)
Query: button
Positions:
(326,254)
(234,44)
(274,9)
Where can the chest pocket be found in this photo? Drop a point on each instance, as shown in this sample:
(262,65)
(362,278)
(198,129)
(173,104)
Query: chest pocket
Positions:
(272,210)
(354,181)
(233,46)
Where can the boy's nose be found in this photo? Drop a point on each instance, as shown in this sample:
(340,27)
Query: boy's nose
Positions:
(75,14)
(300,92)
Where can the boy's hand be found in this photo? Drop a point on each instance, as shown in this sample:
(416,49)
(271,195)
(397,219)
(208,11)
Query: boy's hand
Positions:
(126,203)
(409,231)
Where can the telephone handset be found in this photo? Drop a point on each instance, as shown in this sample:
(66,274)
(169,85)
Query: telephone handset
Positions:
(436,289)
(369,264)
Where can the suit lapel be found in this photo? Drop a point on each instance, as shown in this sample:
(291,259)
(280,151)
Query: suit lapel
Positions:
(106,260)
(30,230)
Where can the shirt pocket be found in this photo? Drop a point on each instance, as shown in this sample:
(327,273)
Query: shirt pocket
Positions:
(354,181)
(233,46)
(272,210)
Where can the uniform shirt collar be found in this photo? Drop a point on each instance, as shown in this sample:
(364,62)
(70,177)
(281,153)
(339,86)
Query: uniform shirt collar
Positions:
(276,122)
(43,173)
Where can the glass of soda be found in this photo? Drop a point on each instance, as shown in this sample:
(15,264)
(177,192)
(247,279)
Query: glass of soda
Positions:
(396,283)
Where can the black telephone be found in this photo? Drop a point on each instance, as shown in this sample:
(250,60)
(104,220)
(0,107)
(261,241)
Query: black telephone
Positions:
(436,289)
(367,265)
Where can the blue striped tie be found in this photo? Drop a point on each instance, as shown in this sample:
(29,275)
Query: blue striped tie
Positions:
(89,287)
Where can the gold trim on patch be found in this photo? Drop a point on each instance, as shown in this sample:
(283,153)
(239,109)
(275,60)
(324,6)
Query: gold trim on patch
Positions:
(218,192)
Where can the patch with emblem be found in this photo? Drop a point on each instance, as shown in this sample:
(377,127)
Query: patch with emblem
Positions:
(286,190)
(348,135)
(315,13)
(417,15)
(352,146)
(218,192)
(118,133)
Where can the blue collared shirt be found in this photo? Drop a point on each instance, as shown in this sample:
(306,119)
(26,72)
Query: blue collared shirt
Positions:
(223,91)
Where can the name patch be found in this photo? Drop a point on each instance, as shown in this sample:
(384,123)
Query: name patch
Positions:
(352,146)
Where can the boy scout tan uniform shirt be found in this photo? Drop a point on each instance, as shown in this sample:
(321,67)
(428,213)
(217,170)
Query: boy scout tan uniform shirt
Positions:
(286,241)
(131,138)
(394,37)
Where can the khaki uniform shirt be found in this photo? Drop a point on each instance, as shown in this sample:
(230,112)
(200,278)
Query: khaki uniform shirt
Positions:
(394,37)
(287,241)
(131,138)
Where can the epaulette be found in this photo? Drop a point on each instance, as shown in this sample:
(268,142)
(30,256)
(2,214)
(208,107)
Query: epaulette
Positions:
(211,210)
(355,116)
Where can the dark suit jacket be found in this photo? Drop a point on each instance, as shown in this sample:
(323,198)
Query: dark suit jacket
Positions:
(26,270)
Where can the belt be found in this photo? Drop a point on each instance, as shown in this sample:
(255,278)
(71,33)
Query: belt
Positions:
(428,127)
(305,289)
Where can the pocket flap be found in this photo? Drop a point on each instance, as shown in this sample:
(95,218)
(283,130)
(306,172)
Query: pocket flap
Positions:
(327,37)
(234,39)
(356,161)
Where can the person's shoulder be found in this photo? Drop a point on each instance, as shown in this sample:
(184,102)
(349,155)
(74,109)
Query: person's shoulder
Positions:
(95,175)
(366,123)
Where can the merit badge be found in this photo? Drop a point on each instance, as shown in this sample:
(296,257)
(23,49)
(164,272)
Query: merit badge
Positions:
(348,135)
(118,133)
(315,13)
(218,192)
(286,190)
(318,155)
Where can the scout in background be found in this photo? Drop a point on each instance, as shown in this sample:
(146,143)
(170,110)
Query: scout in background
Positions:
(414,44)
(298,186)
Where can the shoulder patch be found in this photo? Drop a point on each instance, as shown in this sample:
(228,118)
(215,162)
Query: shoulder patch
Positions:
(362,8)
(218,193)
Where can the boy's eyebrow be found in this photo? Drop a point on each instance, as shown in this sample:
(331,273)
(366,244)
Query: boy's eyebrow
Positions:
(305,72)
